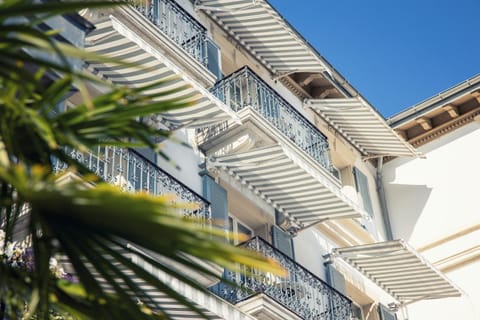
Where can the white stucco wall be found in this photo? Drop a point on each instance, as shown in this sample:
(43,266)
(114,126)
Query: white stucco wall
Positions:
(310,246)
(430,199)
(187,159)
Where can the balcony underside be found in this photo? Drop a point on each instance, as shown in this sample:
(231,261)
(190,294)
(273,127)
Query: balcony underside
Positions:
(279,172)
(118,39)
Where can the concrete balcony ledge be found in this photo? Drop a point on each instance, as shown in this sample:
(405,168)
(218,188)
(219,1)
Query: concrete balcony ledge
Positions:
(262,307)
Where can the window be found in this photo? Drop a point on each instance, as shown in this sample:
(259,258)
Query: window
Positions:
(385,313)
(361,183)
(236,226)
(283,241)
(217,195)
(214,59)
(357,312)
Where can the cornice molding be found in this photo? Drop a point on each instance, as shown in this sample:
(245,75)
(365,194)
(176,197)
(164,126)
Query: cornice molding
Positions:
(445,128)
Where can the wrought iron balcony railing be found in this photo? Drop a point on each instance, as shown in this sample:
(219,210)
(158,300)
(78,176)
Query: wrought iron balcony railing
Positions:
(177,24)
(132,172)
(243,89)
(301,292)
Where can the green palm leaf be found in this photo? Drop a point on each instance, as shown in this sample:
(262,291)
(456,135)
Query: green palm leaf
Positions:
(97,227)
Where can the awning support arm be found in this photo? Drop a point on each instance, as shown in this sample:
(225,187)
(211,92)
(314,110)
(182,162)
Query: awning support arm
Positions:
(281,74)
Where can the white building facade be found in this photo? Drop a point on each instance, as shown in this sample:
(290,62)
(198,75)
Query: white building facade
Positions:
(433,202)
(283,150)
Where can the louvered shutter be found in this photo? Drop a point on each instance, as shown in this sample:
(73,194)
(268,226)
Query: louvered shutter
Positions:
(282,241)
(217,196)
(335,279)
(385,313)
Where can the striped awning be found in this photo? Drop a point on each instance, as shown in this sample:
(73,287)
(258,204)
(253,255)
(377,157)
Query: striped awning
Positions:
(113,39)
(211,305)
(399,270)
(293,186)
(362,126)
(262,31)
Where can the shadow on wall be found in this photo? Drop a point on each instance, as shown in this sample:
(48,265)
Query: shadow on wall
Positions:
(406,203)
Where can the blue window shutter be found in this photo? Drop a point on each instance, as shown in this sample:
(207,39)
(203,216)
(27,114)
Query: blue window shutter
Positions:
(335,279)
(385,313)
(282,241)
(361,183)
(217,196)
(214,57)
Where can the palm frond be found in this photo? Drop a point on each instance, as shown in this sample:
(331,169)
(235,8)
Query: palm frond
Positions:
(97,227)
(91,226)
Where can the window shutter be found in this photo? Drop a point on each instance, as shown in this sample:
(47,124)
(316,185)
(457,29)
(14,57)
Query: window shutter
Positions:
(214,56)
(361,183)
(335,279)
(217,196)
(282,241)
(385,313)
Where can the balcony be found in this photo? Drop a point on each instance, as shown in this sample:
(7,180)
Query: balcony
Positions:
(132,172)
(244,89)
(177,24)
(170,46)
(301,292)
(275,153)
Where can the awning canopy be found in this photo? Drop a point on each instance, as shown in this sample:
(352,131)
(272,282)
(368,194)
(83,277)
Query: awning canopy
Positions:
(269,37)
(399,270)
(113,39)
(214,307)
(362,126)
(294,187)
(262,31)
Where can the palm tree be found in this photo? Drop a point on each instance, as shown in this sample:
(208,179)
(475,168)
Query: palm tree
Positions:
(92,224)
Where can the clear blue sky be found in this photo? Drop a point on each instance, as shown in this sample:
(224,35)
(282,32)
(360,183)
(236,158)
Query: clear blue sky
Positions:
(396,53)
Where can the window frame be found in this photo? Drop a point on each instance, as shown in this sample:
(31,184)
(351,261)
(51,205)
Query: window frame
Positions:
(233,223)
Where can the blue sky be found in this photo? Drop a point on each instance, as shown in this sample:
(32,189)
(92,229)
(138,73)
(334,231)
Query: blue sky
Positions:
(396,53)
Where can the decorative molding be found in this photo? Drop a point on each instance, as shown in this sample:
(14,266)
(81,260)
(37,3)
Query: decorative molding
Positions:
(476,94)
(451,110)
(445,128)
(449,238)
(295,88)
(403,134)
(425,122)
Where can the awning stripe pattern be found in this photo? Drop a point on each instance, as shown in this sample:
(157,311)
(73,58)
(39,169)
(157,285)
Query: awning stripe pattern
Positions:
(291,185)
(268,37)
(399,270)
(214,307)
(113,39)
(362,126)
(262,31)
